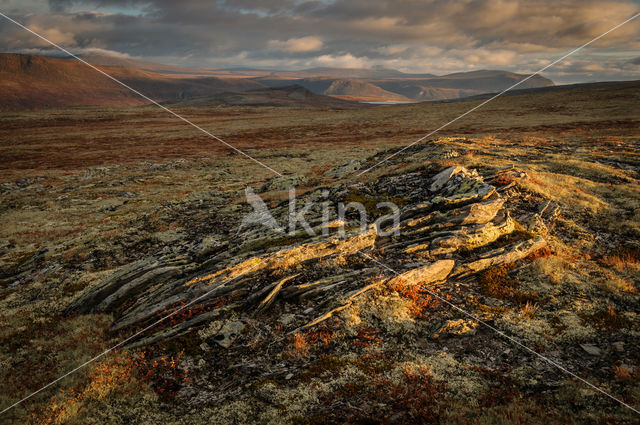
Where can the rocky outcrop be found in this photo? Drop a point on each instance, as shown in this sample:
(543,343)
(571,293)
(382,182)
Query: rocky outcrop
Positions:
(457,226)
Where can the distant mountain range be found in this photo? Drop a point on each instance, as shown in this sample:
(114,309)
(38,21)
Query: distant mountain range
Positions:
(292,96)
(37,82)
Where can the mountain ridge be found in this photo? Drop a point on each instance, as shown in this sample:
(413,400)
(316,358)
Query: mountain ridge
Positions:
(39,82)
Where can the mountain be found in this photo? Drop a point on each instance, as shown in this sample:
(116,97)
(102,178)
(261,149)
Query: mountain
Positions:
(354,89)
(144,65)
(291,96)
(450,86)
(360,89)
(460,84)
(36,82)
(395,85)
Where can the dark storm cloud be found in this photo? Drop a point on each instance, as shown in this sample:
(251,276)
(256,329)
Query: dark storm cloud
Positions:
(413,35)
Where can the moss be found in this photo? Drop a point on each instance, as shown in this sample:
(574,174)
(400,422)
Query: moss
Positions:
(72,288)
(495,282)
(329,363)
(606,320)
(370,202)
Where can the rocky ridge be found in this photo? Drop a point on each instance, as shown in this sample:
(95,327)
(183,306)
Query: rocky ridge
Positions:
(461,226)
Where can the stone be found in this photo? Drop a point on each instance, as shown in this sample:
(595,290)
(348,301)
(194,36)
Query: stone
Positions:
(227,334)
(533,223)
(591,349)
(447,227)
(473,236)
(286,319)
(619,346)
(508,254)
(95,295)
(477,213)
(345,169)
(442,178)
(466,191)
(459,327)
(156,275)
(434,272)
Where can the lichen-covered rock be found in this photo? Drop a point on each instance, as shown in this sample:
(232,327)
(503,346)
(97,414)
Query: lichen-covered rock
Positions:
(227,334)
(284,182)
(435,272)
(448,229)
(473,236)
(442,178)
(505,255)
(459,327)
(345,169)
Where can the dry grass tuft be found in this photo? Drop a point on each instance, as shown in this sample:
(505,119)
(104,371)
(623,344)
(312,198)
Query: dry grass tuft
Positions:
(300,346)
(622,373)
(623,260)
(529,310)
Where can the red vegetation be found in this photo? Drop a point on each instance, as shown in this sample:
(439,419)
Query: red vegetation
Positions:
(367,336)
(422,303)
(415,398)
(496,283)
(322,334)
(120,375)
(503,180)
(501,391)
(541,253)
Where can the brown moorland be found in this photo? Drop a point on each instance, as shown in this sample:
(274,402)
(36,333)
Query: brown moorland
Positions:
(91,197)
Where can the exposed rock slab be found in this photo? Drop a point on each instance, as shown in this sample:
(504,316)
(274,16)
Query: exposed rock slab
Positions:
(434,272)
(448,231)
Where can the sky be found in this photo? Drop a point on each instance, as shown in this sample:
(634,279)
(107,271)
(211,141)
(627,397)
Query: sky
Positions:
(414,36)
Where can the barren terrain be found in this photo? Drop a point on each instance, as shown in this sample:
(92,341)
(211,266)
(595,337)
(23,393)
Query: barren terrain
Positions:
(519,221)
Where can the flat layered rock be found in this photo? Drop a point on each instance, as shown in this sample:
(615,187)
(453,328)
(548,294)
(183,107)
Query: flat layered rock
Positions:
(447,232)
(506,255)
(434,272)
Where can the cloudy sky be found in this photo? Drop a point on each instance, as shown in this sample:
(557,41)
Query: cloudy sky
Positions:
(419,36)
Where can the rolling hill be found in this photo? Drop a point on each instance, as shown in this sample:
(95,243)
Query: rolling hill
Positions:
(461,84)
(450,86)
(291,96)
(37,82)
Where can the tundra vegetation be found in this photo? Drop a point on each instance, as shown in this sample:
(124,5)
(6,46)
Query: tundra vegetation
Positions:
(525,214)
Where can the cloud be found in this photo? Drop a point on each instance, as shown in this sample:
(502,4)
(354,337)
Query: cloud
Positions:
(346,60)
(78,51)
(436,36)
(296,45)
(491,57)
(56,35)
